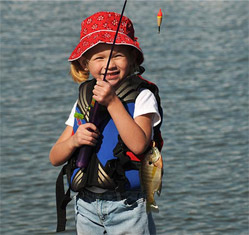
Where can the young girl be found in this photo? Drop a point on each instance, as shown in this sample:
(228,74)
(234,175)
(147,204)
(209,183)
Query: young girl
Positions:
(111,201)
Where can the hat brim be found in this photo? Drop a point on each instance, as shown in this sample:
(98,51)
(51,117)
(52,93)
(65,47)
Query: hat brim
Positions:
(107,37)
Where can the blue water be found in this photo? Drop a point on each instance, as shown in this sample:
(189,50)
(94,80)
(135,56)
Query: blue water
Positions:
(200,63)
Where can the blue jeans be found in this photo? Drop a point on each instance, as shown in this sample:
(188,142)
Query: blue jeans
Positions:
(112,213)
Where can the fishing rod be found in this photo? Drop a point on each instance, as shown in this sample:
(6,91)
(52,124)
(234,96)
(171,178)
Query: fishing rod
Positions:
(114,41)
(96,105)
(85,151)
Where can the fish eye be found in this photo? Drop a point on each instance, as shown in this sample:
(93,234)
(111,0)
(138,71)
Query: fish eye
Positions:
(150,162)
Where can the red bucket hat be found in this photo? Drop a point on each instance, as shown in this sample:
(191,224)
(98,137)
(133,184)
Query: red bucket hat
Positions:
(101,28)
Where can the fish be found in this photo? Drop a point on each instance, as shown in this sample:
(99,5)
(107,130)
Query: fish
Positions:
(151,173)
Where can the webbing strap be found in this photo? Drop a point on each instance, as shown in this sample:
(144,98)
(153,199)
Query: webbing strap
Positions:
(62,200)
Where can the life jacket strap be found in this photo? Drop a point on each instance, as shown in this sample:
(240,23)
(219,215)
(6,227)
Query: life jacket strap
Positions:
(116,168)
(62,199)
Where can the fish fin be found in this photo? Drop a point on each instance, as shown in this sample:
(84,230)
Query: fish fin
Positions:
(152,207)
(159,189)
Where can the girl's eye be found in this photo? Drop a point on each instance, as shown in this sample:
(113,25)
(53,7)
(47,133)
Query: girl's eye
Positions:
(98,58)
(118,55)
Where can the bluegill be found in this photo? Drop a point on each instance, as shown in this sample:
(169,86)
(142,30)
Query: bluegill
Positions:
(151,177)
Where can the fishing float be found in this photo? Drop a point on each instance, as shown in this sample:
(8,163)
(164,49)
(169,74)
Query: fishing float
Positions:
(159,19)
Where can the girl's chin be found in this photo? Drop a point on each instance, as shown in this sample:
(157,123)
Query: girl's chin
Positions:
(114,83)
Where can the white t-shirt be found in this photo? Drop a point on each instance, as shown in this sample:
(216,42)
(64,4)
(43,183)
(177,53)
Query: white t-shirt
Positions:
(144,103)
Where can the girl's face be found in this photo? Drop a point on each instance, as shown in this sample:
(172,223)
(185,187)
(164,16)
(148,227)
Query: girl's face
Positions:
(119,67)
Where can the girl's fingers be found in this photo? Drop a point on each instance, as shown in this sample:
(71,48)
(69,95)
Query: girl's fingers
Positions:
(88,127)
(87,134)
(103,93)
(89,140)
(85,140)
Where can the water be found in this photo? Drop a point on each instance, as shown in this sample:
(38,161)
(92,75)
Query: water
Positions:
(200,63)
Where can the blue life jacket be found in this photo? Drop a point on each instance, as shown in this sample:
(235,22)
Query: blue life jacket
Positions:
(112,165)
(104,152)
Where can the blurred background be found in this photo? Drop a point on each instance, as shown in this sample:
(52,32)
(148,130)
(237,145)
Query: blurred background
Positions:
(200,63)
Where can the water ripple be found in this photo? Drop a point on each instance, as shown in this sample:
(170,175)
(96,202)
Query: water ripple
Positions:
(200,63)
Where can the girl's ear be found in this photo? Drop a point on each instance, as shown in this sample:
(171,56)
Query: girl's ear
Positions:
(84,64)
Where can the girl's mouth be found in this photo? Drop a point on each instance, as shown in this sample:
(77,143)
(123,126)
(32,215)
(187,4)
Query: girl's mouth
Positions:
(112,75)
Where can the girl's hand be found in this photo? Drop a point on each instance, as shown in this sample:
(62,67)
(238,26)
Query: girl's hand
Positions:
(104,93)
(86,134)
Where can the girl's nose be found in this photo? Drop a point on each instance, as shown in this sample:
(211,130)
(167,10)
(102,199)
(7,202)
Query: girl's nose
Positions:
(111,64)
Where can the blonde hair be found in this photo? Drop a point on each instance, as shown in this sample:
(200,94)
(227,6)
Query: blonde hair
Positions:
(78,72)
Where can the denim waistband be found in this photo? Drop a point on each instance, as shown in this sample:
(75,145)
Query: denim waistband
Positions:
(111,195)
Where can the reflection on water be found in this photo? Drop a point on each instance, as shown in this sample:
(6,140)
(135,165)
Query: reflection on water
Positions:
(200,63)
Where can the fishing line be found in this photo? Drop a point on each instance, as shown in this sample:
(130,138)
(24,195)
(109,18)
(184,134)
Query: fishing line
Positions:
(114,41)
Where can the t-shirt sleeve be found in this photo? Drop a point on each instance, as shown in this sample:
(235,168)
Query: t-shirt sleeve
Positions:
(146,103)
(70,120)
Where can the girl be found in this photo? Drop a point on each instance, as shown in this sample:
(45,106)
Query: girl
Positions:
(111,201)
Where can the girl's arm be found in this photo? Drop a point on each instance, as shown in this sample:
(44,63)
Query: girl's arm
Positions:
(136,133)
(86,134)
